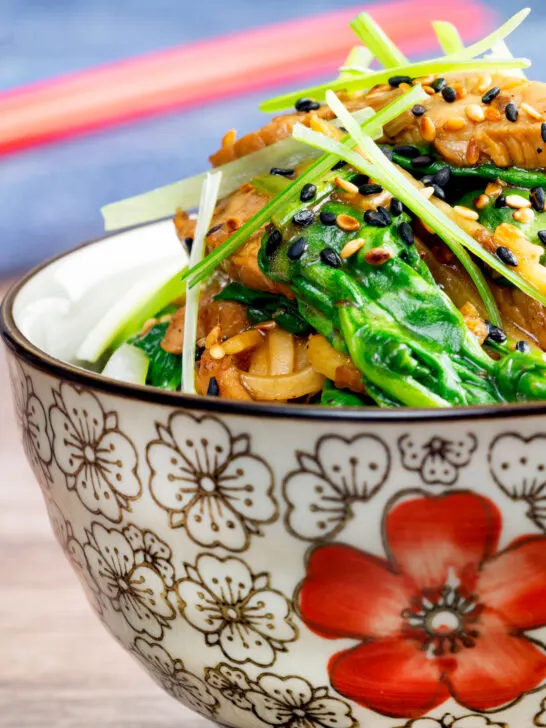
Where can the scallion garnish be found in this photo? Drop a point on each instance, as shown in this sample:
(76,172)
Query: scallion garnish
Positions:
(462,60)
(372,126)
(379,43)
(448,37)
(209,197)
(423,68)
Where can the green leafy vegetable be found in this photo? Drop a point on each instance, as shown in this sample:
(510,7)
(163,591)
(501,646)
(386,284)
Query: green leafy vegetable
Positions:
(267,307)
(334,397)
(315,172)
(490,172)
(165,369)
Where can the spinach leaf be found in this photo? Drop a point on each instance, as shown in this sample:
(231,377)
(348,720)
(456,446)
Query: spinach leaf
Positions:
(165,370)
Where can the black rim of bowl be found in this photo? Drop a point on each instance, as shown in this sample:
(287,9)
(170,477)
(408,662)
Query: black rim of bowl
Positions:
(28,352)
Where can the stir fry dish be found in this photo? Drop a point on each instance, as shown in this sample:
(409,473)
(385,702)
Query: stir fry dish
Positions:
(380,242)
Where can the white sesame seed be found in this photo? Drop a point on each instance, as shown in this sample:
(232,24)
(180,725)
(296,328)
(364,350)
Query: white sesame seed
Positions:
(466,212)
(517,202)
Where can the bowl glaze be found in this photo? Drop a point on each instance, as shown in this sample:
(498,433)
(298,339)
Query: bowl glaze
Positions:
(295,566)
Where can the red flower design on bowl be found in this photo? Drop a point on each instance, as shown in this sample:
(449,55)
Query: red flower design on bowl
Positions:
(444,615)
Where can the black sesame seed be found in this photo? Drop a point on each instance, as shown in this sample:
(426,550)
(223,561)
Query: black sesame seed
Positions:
(494,333)
(500,202)
(543,131)
(308,192)
(511,112)
(523,347)
(385,214)
(442,176)
(328,218)
(542,236)
(395,81)
(387,151)
(199,351)
(427,180)
(213,389)
(307,105)
(406,233)
(360,179)
(179,387)
(339,165)
(397,208)
(274,242)
(491,95)
(303,218)
(438,191)
(330,257)
(422,160)
(538,198)
(405,150)
(297,249)
(375,218)
(539,150)
(188,242)
(438,84)
(281,172)
(215,229)
(370,189)
(449,94)
(418,110)
(506,256)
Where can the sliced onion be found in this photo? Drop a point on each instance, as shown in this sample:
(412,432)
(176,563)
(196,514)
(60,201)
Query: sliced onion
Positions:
(289,386)
(281,352)
(324,358)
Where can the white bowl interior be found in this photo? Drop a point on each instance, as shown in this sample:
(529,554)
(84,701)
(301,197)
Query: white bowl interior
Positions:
(59,306)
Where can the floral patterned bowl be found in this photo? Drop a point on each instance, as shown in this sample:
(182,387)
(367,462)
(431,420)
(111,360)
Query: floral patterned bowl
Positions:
(294,566)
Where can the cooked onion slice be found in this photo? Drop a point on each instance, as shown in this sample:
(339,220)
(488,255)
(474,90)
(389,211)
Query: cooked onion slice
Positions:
(281,352)
(288,386)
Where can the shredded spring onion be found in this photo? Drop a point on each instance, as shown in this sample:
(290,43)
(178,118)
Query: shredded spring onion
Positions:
(423,68)
(379,43)
(375,123)
(484,45)
(184,195)
(460,61)
(448,37)
(360,57)
(209,197)
(385,173)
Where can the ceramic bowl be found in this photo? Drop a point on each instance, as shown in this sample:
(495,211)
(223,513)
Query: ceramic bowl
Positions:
(288,565)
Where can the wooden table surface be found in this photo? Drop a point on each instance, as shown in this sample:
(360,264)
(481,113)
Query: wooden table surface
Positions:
(58,666)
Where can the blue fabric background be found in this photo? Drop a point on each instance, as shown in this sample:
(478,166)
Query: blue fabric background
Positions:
(50,197)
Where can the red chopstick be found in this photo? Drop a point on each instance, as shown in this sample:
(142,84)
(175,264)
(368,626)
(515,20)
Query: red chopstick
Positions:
(207,71)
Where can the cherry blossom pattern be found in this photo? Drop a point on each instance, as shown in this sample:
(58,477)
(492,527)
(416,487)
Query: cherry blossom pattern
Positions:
(449,721)
(210,483)
(32,420)
(172,676)
(62,528)
(292,702)
(437,460)
(99,461)
(231,682)
(518,466)
(341,472)
(236,610)
(149,549)
(444,615)
(540,717)
(133,586)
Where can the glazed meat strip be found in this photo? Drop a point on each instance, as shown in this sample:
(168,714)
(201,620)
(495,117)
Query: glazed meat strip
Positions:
(462,128)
